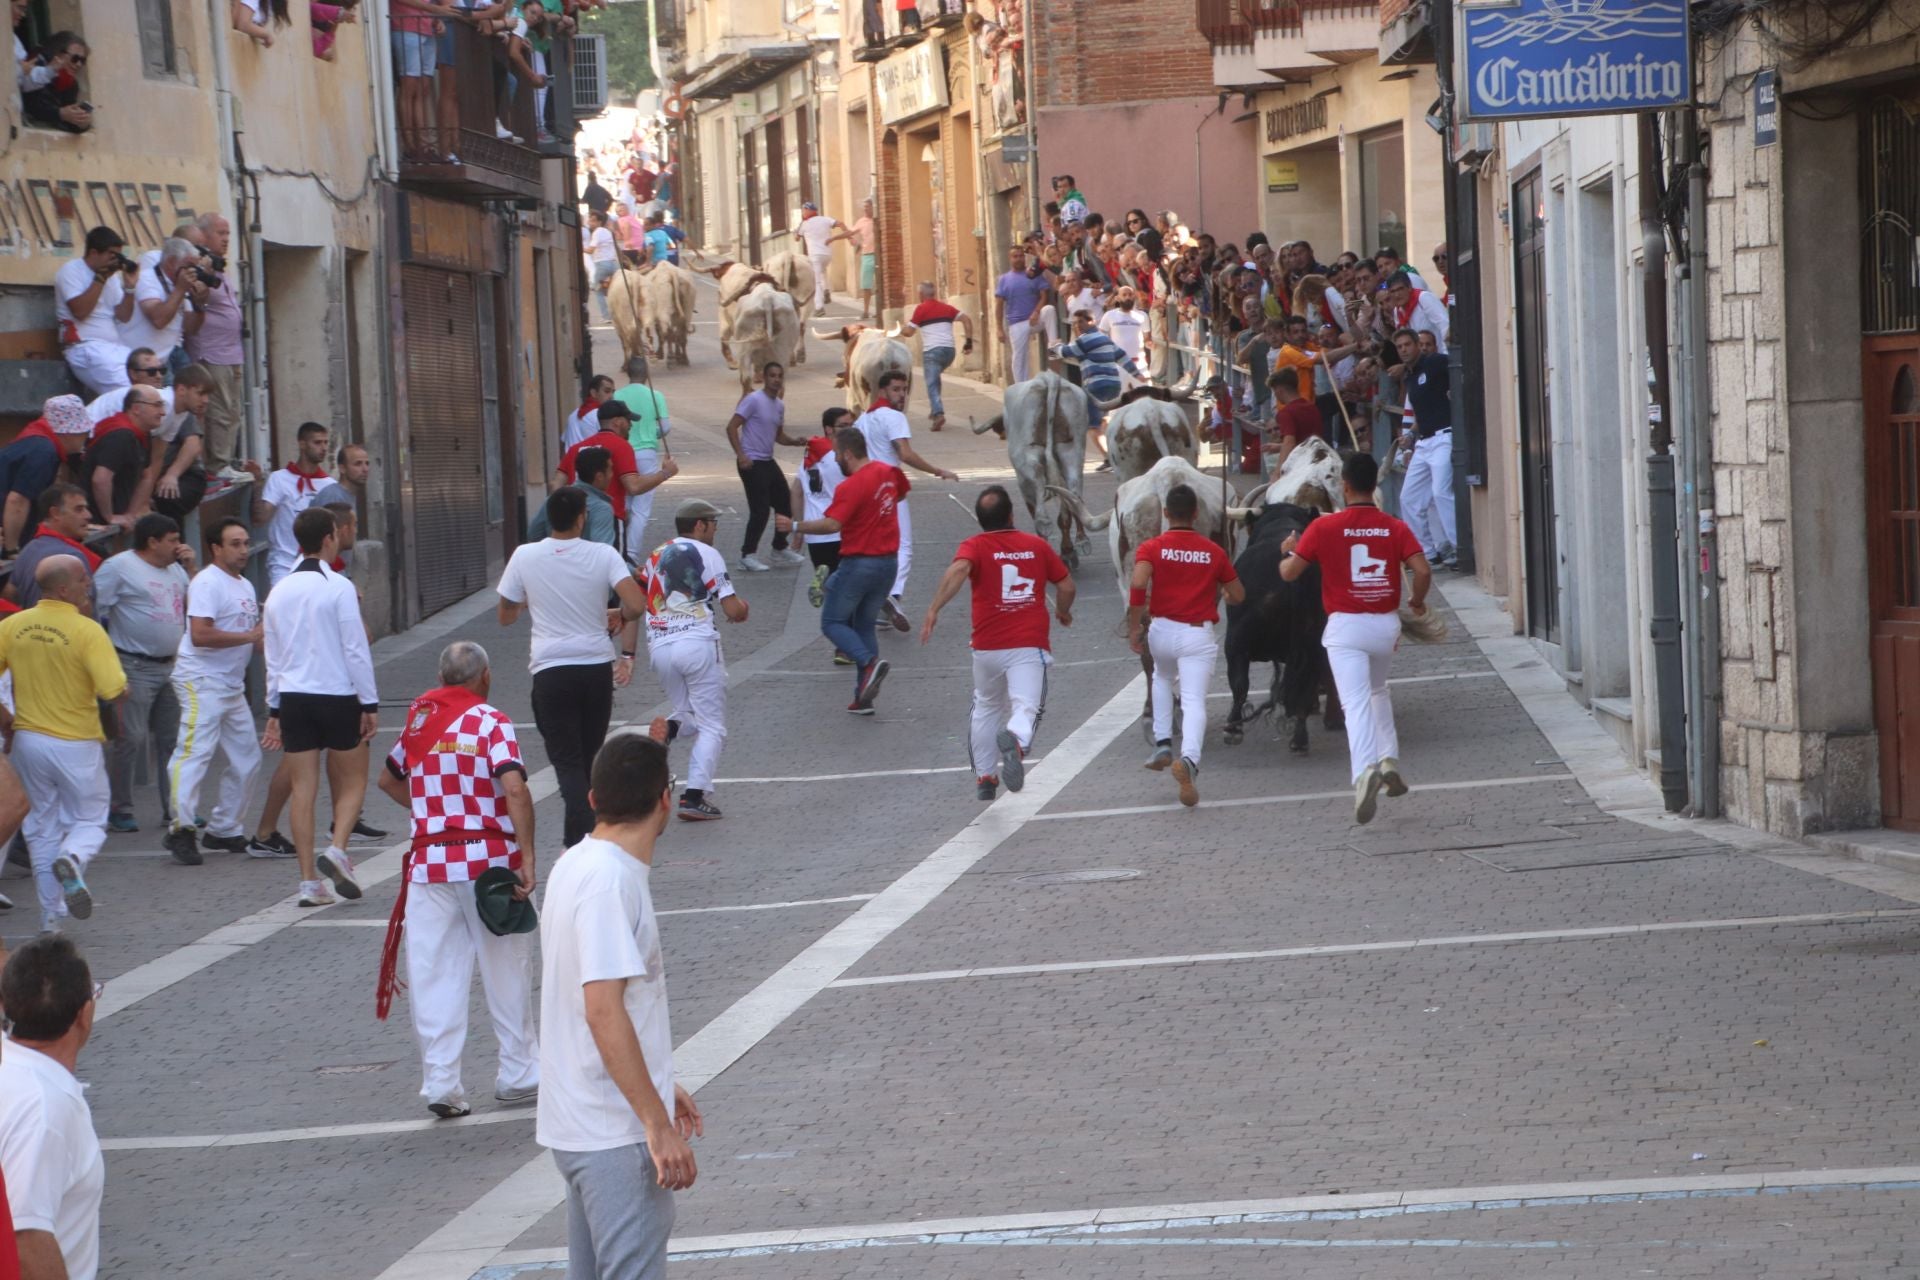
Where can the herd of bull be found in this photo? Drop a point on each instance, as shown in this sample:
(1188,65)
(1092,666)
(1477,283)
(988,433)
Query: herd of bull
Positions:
(1153,444)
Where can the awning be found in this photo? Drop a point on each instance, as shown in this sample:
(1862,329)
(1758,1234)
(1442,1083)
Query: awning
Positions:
(738,72)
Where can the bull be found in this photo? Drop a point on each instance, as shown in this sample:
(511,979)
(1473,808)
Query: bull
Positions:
(1044,422)
(652,309)
(870,353)
(1147,426)
(794,274)
(765,329)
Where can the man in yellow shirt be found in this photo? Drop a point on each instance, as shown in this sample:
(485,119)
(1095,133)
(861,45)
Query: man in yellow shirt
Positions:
(63,666)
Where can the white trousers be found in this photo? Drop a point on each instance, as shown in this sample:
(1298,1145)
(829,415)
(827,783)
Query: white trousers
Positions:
(213,719)
(1183,652)
(693,675)
(1009,692)
(905,554)
(640,507)
(1020,349)
(66,784)
(821,262)
(101,366)
(1360,650)
(1429,488)
(444,940)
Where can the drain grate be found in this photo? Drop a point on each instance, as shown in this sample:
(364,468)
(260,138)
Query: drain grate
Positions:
(1092,875)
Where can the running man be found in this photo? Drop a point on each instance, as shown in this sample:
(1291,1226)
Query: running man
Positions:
(1178,581)
(1010,634)
(684,580)
(813,485)
(888,434)
(1359,551)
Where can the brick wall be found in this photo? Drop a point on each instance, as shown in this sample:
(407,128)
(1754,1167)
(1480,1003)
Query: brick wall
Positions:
(1094,51)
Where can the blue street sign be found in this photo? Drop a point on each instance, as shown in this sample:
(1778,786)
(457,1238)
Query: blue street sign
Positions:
(1529,59)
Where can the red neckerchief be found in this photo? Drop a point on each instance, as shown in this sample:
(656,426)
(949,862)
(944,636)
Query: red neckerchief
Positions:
(81,549)
(427,719)
(880,403)
(1403,314)
(589,405)
(338,564)
(38,429)
(308,483)
(7,607)
(119,422)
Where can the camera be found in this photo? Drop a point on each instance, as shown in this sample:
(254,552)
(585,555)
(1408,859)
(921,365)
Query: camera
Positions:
(211,279)
(121,262)
(214,260)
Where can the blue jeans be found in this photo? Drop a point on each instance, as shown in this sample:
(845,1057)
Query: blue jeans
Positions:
(1100,389)
(934,362)
(855,593)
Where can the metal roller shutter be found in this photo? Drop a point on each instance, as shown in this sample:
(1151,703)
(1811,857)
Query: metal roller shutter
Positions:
(444,425)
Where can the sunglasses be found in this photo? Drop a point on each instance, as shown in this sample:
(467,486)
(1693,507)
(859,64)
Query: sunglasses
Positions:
(157,372)
(77,59)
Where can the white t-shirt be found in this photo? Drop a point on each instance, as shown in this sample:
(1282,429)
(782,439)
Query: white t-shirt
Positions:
(817,503)
(580,426)
(884,428)
(1127,329)
(112,402)
(75,279)
(231,604)
(597,924)
(600,245)
(138,331)
(1088,299)
(564,582)
(284,491)
(50,1156)
(685,581)
(816,231)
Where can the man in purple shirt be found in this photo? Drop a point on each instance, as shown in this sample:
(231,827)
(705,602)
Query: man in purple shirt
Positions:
(758,423)
(1019,295)
(214,341)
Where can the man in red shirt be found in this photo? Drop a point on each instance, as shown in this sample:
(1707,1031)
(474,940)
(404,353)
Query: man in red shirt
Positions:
(865,513)
(1295,418)
(1010,631)
(624,476)
(1178,580)
(1359,551)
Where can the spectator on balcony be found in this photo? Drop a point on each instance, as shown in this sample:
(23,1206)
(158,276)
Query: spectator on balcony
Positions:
(862,233)
(251,18)
(31,464)
(91,298)
(543,25)
(144,369)
(416,50)
(55,101)
(327,20)
(163,299)
(909,11)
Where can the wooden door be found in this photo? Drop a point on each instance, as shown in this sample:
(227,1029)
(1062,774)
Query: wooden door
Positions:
(1891,385)
(1539,521)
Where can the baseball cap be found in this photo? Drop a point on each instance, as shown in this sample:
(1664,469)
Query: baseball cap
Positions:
(67,415)
(696,509)
(808,204)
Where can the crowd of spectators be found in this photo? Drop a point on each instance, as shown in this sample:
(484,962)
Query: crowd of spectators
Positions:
(628,191)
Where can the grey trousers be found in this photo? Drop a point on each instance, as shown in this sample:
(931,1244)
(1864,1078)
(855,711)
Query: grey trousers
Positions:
(618,1214)
(149,727)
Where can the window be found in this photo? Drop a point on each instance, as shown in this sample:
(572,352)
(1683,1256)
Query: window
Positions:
(155,18)
(1383,193)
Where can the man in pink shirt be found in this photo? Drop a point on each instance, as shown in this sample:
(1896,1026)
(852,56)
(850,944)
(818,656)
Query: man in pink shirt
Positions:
(863,234)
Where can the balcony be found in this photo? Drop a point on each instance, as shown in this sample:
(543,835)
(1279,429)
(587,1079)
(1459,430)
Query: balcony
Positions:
(485,166)
(884,33)
(1406,32)
(1341,30)
(1256,42)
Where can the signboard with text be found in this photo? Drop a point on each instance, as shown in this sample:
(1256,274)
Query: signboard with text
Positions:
(911,82)
(1534,59)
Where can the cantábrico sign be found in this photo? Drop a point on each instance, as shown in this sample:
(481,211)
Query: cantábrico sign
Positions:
(1526,59)
(1296,117)
(912,82)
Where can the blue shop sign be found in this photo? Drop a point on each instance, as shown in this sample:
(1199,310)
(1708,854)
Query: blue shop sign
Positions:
(1530,59)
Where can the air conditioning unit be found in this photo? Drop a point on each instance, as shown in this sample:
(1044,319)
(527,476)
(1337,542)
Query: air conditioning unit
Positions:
(589,75)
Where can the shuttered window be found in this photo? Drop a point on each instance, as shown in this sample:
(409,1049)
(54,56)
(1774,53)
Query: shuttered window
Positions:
(155,19)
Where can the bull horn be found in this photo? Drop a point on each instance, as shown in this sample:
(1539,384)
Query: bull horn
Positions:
(833,335)
(995,423)
(1243,513)
(894,332)
(1104,405)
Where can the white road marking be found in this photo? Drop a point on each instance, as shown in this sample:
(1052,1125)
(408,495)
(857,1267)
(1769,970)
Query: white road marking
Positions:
(267,1137)
(679,911)
(1345,793)
(851,777)
(493,1222)
(1290,1208)
(1410,944)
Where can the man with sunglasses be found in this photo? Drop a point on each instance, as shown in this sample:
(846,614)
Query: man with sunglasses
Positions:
(144,369)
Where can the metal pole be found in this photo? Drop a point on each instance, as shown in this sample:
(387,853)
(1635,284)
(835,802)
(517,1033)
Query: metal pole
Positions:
(1706,698)
(1669,676)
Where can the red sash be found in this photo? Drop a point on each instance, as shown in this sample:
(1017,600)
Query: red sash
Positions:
(80,549)
(427,719)
(119,422)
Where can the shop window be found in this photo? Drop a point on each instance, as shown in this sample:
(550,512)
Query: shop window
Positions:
(157,56)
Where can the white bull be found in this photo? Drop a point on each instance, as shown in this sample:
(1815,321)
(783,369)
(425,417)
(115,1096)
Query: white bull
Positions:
(1310,477)
(1138,511)
(1143,431)
(652,311)
(1044,420)
(765,329)
(870,353)
(793,273)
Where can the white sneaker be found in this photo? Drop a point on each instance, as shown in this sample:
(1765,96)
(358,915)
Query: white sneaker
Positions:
(338,867)
(754,564)
(1366,795)
(503,133)
(314,894)
(234,474)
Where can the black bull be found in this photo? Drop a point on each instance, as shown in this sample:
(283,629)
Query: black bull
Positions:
(1282,623)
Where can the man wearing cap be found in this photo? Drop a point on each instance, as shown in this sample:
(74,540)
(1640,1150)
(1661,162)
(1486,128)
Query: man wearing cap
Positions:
(467,893)
(685,581)
(815,235)
(31,464)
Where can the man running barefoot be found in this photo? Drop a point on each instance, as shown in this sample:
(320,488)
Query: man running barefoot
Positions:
(1010,632)
(1178,581)
(1359,552)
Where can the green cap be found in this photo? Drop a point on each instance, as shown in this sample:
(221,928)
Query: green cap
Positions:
(500,911)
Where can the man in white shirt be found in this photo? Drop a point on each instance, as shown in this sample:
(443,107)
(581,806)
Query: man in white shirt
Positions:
(889,440)
(321,696)
(163,297)
(1125,324)
(288,492)
(1414,308)
(144,369)
(816,235)
(585,420)
(91,299)
(610,1110)
(49,1153)
(564,580)
(210,685)
(140,597)
(684,581)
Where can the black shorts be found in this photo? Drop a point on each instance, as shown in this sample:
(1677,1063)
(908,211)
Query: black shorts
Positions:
(319,722)
(824,553)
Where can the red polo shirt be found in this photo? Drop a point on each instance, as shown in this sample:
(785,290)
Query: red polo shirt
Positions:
(866,504)
(624,463)
(1187,573)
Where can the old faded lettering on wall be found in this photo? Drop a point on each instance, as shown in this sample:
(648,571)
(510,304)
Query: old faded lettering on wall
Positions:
(42,218)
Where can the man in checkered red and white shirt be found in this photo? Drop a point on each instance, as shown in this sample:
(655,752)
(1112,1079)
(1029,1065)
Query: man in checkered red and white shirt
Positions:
(457,766)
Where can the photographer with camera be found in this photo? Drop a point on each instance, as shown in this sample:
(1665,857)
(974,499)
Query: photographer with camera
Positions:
(91,298)
(213,340)
(165,296)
